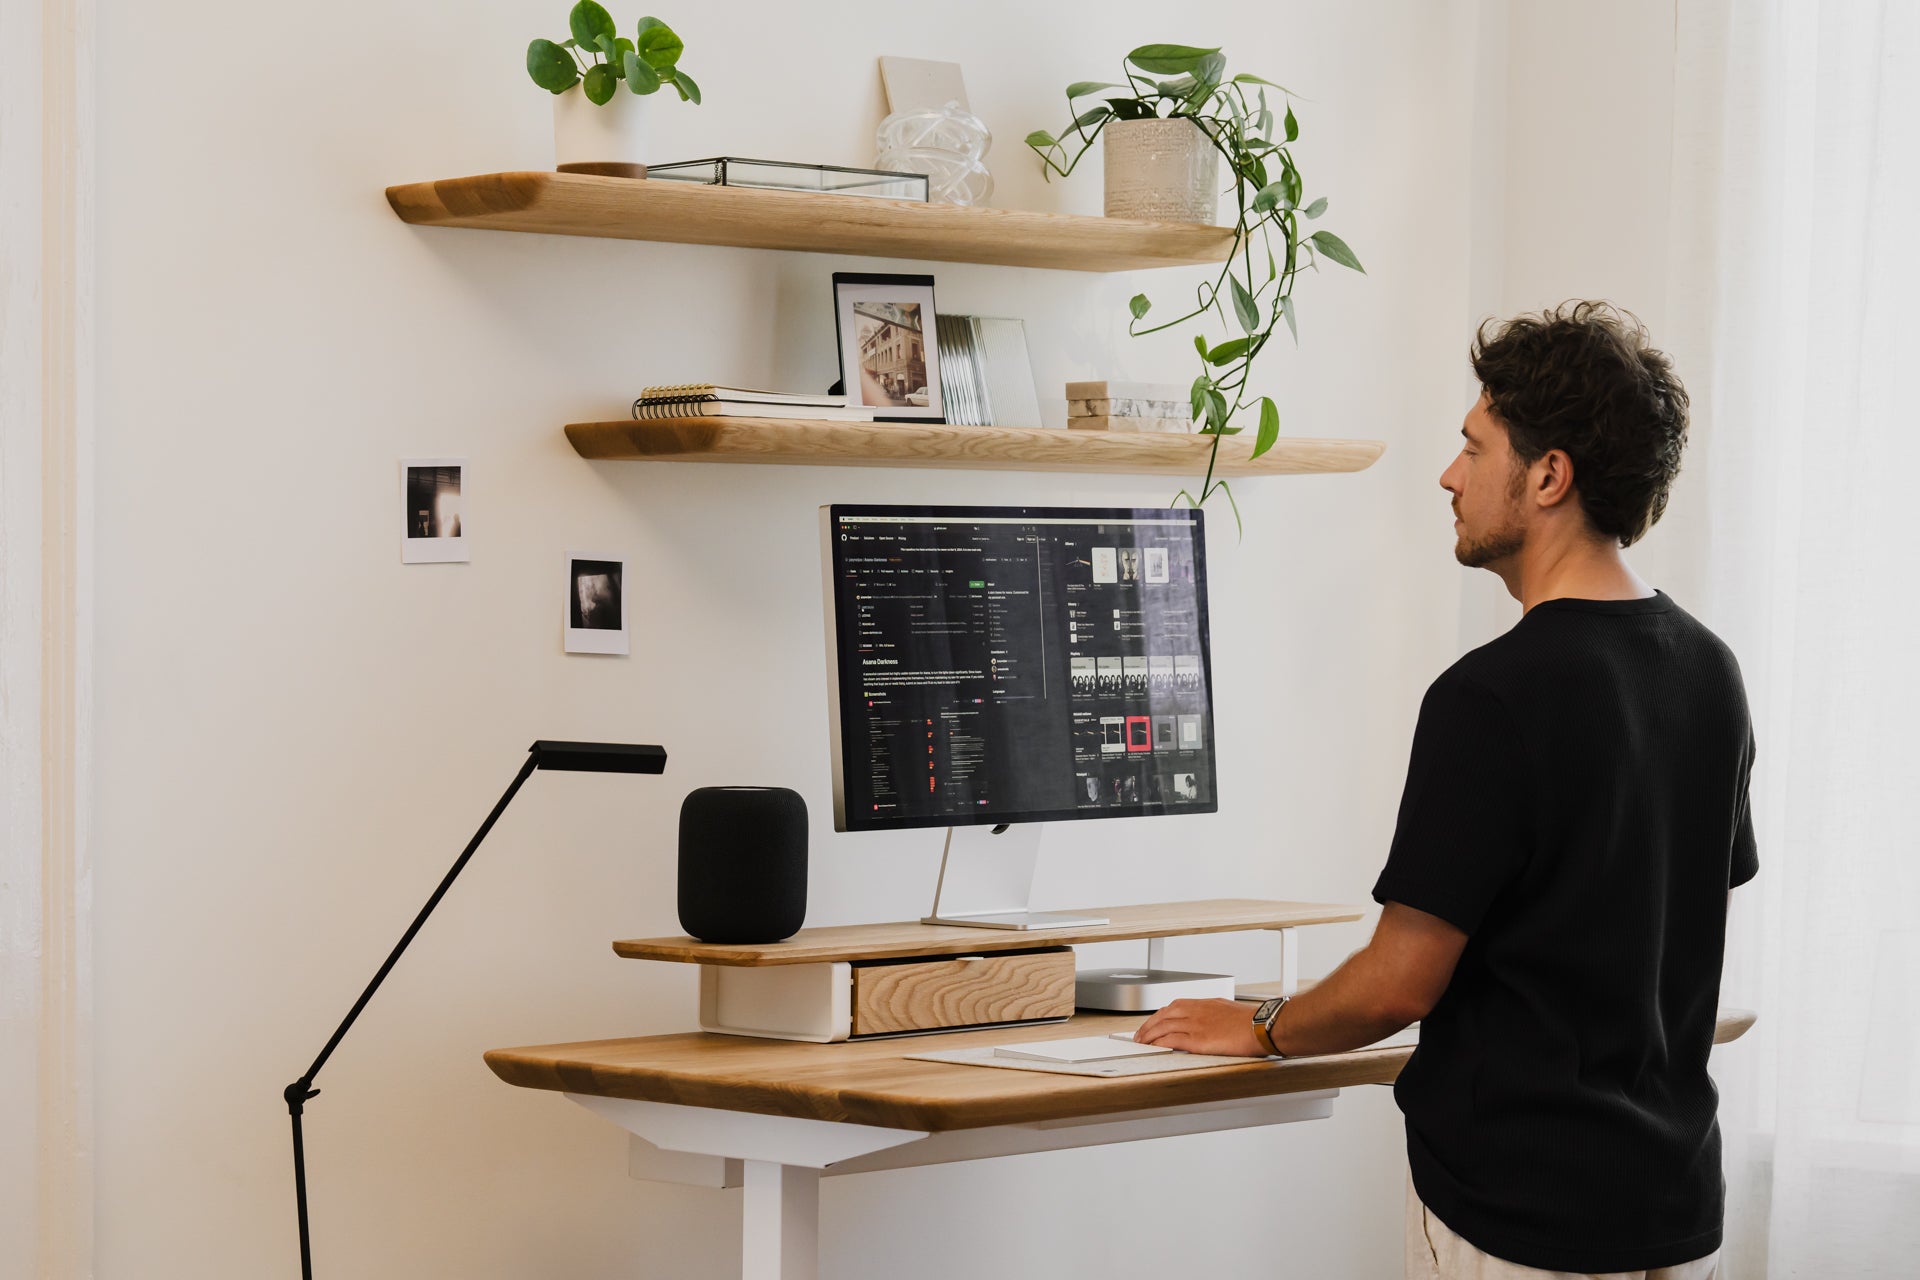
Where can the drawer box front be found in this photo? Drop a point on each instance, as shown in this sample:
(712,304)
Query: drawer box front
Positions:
(926,995)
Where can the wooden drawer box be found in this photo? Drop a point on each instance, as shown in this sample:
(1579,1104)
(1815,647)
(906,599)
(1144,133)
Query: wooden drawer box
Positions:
(961,991)
(847,1000)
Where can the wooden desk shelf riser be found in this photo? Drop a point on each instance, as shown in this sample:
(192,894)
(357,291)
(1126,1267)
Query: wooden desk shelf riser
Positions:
(862,981)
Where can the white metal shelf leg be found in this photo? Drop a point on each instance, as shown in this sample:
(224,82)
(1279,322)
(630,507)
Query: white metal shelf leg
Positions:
(779,1222)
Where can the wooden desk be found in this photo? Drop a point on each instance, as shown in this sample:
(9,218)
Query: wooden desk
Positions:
(775,1116)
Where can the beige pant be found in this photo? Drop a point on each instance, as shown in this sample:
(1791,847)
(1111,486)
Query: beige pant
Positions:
(1434,1252)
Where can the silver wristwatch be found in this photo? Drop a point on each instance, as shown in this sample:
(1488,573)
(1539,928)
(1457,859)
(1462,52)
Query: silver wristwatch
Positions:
(1263,1022)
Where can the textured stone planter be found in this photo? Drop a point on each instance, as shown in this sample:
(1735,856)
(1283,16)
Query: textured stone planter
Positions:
(1161,171)
(609,140)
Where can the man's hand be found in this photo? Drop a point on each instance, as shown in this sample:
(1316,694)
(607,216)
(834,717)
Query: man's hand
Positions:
(1204,1026)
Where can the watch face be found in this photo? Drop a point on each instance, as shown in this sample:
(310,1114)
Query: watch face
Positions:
(1267,1009)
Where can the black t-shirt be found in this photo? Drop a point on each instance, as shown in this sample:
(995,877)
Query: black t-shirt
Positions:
(1577,803)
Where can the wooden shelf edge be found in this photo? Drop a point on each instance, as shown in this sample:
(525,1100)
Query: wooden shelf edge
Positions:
(911,938)
(743,217)
(818,443)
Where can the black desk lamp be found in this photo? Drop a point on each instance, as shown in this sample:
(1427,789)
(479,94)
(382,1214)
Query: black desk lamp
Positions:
(579,757)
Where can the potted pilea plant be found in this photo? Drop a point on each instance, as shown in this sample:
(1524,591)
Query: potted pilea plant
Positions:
(1180,103)
(596,128)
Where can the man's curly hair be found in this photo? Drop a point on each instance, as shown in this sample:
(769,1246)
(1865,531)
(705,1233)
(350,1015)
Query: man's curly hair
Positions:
(1583,378)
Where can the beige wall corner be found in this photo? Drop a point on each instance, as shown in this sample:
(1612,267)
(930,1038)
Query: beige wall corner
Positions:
(46,1129)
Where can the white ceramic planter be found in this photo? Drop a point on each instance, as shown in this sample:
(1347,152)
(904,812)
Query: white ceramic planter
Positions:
(609,140)
(1161,170)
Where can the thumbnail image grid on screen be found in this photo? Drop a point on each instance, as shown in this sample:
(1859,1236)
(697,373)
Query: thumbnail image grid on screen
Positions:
(1018,664)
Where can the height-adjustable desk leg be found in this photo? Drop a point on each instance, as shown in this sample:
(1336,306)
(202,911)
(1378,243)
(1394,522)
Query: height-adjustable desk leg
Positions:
(780,1222)
(1289,961)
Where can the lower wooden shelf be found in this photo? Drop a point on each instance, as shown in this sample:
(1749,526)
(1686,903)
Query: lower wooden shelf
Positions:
(814,443)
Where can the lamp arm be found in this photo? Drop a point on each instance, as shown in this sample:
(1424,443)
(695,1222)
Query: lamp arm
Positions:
(301,1091)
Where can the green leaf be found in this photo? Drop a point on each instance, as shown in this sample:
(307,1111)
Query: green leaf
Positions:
(1290,185)
(551,67)
(659,46)
(601,83)
(1244,78)
(1081,88)
(589,22)
(1227,352)
(1210,68)
(1293,126)
(1197,396)
(1138,304)
(1336,248)
(1093,117)
(1286,310)
(689,91)
(1217,411)
(1176,88)
(1317,208)
(1271,197)
(1269,426)
(1244,306)
(1167,59)
(641,78)
(1041,138)
(1200,344)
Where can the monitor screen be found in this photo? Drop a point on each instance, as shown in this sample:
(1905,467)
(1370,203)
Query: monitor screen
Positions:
(1016,664)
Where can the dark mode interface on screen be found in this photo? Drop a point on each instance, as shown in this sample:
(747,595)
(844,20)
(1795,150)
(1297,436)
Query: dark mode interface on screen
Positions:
(1014,666)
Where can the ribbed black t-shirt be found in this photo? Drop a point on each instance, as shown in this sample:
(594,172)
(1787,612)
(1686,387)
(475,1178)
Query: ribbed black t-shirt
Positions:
(1577,803)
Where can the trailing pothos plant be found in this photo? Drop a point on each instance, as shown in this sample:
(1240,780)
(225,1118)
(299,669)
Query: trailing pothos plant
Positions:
(1253,291)
(599,55)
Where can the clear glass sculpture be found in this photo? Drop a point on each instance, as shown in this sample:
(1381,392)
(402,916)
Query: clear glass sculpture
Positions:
(947,145)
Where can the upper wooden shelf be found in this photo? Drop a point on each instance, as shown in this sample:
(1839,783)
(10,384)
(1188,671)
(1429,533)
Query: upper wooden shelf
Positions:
(808,442)
(911,938)
(578,204)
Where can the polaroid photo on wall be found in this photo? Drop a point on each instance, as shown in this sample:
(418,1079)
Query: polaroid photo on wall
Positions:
(595,618)
(433,501)
(889,346)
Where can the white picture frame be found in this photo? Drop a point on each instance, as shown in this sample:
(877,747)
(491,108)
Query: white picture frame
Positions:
(889,345)
(594,616)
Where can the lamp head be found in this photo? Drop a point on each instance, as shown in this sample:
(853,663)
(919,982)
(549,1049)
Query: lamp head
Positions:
(599,757)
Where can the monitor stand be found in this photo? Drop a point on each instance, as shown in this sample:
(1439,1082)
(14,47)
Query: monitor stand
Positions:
(986,876)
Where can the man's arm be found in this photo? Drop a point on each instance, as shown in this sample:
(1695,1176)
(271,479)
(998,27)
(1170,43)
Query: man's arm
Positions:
(1393,981)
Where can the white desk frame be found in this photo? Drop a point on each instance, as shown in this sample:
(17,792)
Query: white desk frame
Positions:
(779,1160)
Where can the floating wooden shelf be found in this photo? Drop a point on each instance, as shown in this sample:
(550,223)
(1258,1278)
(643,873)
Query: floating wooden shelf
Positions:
(576,204)
(812,443)
(911,938)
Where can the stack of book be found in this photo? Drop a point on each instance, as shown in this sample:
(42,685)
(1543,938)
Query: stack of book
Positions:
(1128,406)
(710,400)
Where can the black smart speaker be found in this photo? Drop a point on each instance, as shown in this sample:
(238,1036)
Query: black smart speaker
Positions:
(743,863)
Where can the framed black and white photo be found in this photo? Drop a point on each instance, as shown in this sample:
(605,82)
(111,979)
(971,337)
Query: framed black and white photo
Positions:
(889,347)
(433,501)
(596,610)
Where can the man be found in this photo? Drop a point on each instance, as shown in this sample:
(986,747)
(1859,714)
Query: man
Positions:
(1575,814)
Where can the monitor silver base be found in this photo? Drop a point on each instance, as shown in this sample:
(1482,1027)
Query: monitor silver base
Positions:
(1018,920)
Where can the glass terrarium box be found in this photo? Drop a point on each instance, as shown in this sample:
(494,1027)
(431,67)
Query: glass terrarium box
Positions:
(779,175)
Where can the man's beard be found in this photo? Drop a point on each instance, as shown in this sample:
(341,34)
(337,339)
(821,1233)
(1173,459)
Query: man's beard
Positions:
(1504,540)
(1498,545)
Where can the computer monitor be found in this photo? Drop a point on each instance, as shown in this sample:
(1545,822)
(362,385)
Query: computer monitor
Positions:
(1016,665)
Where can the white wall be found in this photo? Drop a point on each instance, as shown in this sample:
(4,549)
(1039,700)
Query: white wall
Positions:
(297,733)
(1584,176)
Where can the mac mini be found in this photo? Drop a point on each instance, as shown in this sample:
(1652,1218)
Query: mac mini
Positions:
(1145,990)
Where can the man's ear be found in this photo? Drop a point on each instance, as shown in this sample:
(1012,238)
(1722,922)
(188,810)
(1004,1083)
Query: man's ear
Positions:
(1551,478)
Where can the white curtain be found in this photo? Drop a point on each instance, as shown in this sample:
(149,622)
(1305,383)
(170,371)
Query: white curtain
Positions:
(1796,302)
